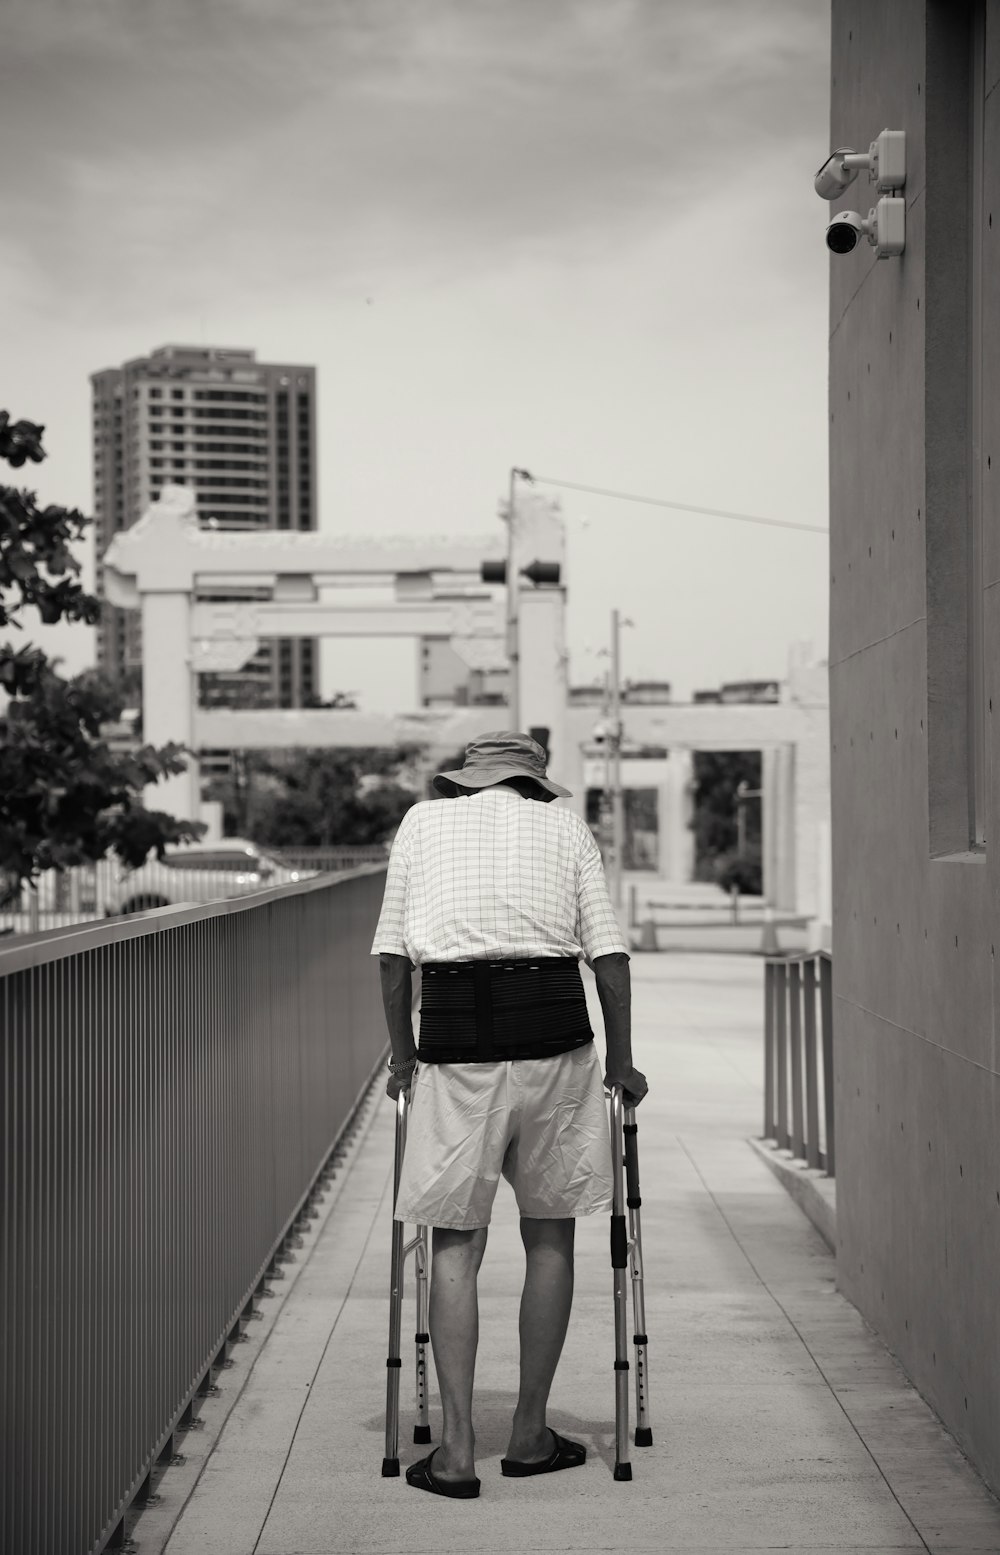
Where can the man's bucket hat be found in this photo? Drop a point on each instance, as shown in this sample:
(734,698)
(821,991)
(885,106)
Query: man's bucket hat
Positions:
(494,757)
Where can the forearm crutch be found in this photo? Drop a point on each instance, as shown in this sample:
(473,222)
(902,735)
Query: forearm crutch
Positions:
(626,1255)
(418,1246)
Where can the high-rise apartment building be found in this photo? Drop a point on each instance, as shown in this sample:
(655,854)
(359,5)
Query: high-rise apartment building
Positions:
(242,433)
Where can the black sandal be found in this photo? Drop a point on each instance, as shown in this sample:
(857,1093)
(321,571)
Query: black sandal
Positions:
(421,1475)
(565,1455)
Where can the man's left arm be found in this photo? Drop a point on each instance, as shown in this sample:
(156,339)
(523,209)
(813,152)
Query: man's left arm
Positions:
(396,974)
(395,968)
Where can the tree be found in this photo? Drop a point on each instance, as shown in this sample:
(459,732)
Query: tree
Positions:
(745,873)
(65,798)
(316,798)
(717,777)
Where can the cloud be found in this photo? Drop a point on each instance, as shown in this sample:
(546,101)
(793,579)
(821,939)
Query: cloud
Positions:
(183,147)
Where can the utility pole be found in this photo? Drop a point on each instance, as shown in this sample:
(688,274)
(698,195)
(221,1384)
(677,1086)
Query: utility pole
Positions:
(607,808)
(513,652)
(615,746)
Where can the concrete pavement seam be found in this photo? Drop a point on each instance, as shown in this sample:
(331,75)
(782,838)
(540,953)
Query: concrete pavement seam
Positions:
(158,1523)
(802,1340)
(318,1367)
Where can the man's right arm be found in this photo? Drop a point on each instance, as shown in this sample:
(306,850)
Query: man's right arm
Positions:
(614,989)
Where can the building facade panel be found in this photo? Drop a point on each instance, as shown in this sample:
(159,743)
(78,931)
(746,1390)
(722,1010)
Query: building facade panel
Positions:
(915,877)
(242,433)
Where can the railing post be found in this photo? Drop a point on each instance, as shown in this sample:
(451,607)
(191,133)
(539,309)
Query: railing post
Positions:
(768,1050)
(795,1034)
(826,1006)
(812,1095)
(781,985)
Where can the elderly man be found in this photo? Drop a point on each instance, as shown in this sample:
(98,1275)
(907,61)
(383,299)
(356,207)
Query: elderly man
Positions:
(497,898)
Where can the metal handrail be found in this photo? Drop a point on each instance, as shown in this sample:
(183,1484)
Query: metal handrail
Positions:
(798,1057)
(72,939)
(172,1088)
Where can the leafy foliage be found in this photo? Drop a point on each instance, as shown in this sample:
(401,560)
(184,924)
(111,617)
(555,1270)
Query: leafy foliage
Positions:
(745,873)
(65,797)
(317,798)
(717,776)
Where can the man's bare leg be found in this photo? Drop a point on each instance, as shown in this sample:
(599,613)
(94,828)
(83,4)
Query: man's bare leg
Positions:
(545,1307)
(454,1330)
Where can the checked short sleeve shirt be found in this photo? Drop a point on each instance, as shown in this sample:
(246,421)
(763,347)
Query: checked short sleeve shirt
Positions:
(495,876)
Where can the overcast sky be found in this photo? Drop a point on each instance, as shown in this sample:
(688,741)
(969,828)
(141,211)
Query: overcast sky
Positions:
(574,235)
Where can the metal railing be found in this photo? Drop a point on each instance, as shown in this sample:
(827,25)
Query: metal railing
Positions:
(346,856)
(798,1057)
(60,898)
(86,893)
(172,1087)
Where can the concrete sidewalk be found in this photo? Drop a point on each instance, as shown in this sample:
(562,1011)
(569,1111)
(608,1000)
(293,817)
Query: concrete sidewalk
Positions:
(779,1420)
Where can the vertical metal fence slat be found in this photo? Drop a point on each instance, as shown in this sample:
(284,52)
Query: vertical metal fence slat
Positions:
(6,1236)
(812,1097)
(795,1035)
(826,1006)
(781,1133)
(769,1050)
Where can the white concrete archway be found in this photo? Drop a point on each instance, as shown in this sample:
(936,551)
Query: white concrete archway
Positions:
(160,565)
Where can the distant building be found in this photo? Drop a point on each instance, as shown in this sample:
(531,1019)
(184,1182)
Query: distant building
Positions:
(647,693)
(587,696)
(445,680)
(742,691)
(242,433)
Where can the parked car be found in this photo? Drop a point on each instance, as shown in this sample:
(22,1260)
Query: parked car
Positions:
(201,872)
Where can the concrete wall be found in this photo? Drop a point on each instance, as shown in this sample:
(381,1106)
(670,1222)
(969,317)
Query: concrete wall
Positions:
(914,906)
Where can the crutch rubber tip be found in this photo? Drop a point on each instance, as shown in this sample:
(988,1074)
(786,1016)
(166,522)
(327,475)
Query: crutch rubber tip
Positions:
(623,1471)
(390,1468)
(421,1433)
(643,1436)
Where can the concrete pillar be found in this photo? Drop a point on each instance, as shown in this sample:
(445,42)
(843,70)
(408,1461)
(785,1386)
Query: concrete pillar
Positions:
(787,829)
(822,923)
(542,674)
(676,837)
(168,691)
(572,771)
(769,824)
(778,822)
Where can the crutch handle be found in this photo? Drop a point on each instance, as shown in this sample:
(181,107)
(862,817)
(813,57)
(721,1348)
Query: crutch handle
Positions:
(630,1132)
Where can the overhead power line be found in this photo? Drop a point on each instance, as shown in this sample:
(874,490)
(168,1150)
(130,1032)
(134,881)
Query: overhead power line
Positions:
(661,502)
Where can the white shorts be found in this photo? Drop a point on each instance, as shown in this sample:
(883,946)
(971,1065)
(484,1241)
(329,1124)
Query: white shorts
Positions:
(542,1122)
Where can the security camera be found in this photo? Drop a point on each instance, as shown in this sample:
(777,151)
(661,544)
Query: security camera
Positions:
(845,232)
(835,175)
(600,734)
(884,227)
(884,162)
